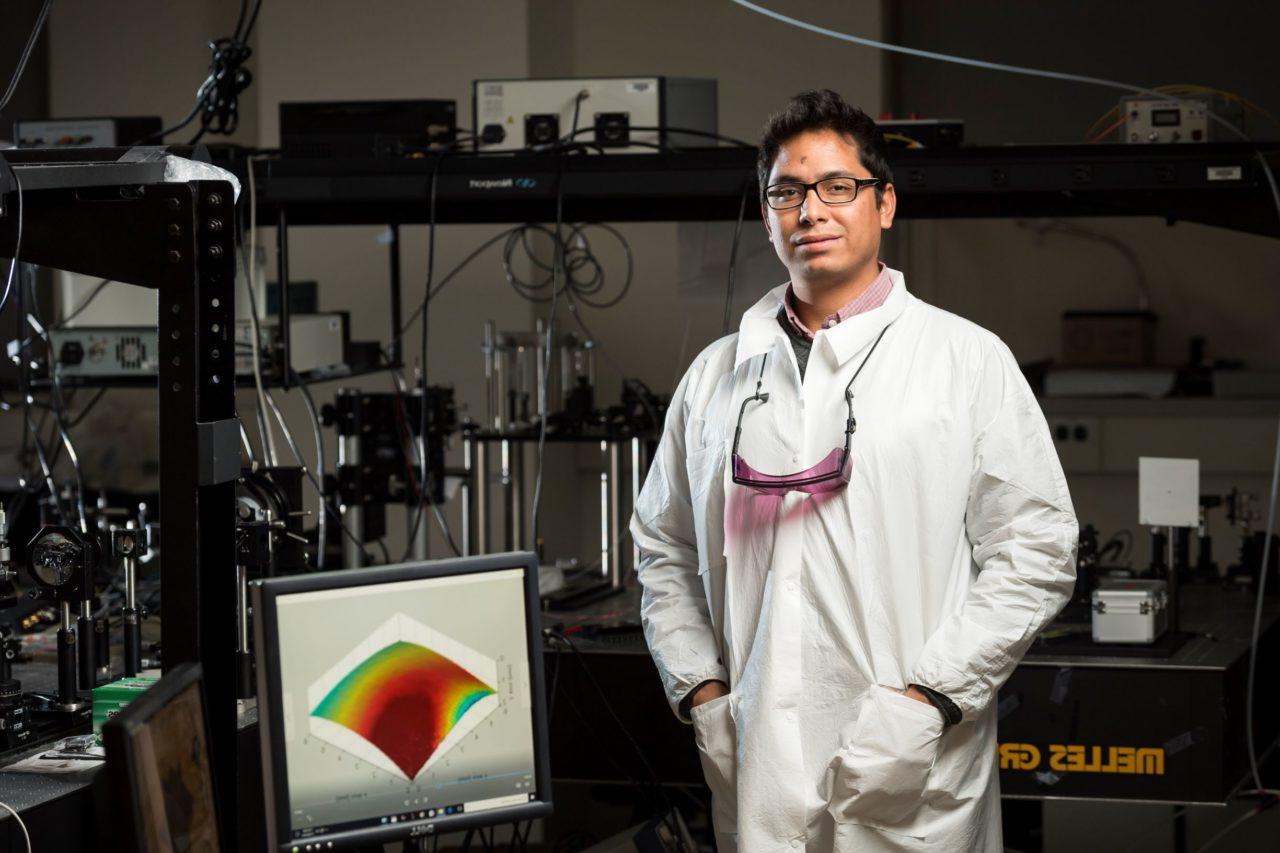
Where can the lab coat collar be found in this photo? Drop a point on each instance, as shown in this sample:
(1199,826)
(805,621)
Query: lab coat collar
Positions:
(760,330)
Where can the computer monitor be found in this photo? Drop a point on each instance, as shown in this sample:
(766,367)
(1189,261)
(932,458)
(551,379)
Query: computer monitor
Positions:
(401,701)
(159,769)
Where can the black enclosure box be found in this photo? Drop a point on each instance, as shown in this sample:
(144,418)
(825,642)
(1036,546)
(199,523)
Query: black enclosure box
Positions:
(365,129)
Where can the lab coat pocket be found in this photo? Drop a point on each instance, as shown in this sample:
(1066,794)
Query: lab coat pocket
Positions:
(706,467)
(878,775)
(717,739)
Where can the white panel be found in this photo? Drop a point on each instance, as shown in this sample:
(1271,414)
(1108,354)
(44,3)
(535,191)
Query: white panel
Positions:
(1168,491)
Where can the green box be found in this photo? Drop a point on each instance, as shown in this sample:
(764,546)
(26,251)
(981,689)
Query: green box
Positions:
(108,699)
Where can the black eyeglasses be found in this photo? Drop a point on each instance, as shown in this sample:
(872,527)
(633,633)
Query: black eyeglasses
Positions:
(839,190)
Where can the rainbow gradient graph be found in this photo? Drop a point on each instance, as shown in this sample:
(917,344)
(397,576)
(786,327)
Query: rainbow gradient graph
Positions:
(403,697)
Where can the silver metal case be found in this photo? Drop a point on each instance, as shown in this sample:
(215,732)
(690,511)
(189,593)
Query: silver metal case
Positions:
(549,105)
(1130,611)
(316,342)
(1148,120)
(105,352)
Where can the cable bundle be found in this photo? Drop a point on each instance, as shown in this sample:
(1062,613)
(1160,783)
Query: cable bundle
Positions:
(218,98)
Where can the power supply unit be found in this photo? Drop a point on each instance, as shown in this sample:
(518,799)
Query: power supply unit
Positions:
(1184,119)
(316,342)
(599,111)
(85,132)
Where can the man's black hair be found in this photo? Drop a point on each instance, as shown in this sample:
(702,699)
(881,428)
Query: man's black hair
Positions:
(823,109)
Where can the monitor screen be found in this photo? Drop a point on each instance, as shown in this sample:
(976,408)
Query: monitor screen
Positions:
(401,701)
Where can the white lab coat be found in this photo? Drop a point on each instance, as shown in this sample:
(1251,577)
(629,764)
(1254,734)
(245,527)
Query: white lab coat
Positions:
(953,544)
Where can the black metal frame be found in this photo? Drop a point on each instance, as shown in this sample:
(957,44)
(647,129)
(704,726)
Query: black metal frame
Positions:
(117,220)
(271,718)
(1175,182)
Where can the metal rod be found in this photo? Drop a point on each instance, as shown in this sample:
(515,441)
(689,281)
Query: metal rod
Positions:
(85,650)
(394,245)
(501,382)
(1172,575)
(540,364)
(129,617)
(244,664)
(421,546)
(269,516)
(517,496)
(508,498)
(131,571)
(67,697)
(101,649)
(637,466)
(481,480)
(285,362)
(352,515)
(464,497)
(604,511)
(615,514)
(242,608)
(490,375)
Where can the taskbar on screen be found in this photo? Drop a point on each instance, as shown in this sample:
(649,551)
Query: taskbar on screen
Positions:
(312,839)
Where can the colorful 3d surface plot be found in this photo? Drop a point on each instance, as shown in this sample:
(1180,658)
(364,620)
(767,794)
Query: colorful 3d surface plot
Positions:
(405,702)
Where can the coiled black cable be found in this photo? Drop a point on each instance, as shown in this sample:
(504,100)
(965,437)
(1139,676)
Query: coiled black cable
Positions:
(218,97)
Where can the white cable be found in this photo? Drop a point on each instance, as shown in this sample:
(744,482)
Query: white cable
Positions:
(44,462)
(17,246)
(57,403)
(288,434)
(418,460)
(248,447)
(268,440)
(960,60)
(322,528)
(22,825)
(1226,830)
(75,465)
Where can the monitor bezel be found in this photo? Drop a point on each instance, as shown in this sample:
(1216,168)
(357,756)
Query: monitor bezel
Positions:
(265,594)
(119,738)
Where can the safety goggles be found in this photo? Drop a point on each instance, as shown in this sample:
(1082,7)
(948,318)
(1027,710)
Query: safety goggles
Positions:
(829,475)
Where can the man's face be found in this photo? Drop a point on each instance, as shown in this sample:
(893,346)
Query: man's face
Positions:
(821,243)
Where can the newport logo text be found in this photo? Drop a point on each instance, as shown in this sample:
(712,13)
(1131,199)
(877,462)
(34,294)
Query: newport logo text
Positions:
(502,183)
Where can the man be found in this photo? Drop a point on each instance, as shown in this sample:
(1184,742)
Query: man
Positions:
(838,635)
